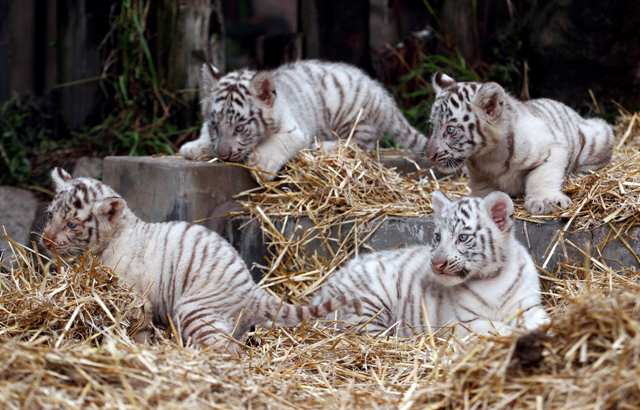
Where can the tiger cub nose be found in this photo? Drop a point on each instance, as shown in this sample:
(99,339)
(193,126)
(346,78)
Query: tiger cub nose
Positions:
(224,152)
(438,265)
(431,153)
(47,239)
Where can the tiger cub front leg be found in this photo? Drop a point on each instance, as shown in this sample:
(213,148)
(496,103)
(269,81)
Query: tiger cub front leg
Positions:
(535,316)
(483,327)
(202,148)
(271,155)
(543,187)
(145,332)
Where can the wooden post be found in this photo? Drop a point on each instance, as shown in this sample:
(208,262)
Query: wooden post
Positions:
(82,25)
(461,28)
(4,51)
(337,31)
(20,46)
(51,73)
(185,32)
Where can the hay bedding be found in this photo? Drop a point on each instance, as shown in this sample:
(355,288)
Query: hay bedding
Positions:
(65,329)
(346,195)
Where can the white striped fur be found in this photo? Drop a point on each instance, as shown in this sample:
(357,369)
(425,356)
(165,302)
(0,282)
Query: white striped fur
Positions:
(266,117)
(516,147)
(475,274)
(186,272)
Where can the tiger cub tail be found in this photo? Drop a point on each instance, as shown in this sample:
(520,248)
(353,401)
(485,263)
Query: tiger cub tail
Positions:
(280,313)
(404,134)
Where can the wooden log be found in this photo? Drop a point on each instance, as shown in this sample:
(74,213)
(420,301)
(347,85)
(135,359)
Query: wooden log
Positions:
(20,46)
(82,25)
(461,29)
(4,50)
(192,31)
(337,31)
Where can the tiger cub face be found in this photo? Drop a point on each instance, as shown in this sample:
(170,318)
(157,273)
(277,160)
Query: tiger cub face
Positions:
(83,215)
(471,238)
(460,115)
(236,110)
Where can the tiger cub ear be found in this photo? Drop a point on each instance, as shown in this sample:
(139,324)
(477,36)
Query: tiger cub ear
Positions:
(490,99)
(263,88)
(440,81)
(209,76)
(60,178)
(438,202)
(500,208)
(111,208)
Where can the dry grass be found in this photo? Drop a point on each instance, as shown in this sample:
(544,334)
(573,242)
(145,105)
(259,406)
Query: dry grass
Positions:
(64,329)
(55,358)
(335,200)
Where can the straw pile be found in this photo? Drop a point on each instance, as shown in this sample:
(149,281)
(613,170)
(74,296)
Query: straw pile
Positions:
(335,200)
(55,303)
(588,358)
(611,194)
(65,329)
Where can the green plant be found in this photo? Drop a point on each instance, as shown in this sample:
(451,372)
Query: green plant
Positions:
(24,135)
(139,122)
(140,113)
(414,91)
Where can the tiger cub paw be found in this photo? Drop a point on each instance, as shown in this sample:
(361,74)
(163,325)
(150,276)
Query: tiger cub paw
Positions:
(326,146)
(197,150)
(536,320)
(546,204)
(143,336)
(267,165)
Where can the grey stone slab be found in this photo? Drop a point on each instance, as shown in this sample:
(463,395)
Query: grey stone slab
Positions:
(17,213)
(246,236)
(403,162)
(396,232)
(170,188)
(619,249)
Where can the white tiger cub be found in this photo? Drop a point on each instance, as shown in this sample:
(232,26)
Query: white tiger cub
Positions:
(265,118)
(476,275)
(512,146)
(186,272)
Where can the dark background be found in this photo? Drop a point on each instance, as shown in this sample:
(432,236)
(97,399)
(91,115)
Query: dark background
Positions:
(91,78)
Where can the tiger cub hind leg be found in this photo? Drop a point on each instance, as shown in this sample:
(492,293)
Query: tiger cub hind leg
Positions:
(598,145)
(145,333)
(200,326)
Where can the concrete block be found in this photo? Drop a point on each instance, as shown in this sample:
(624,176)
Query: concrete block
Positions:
(162,189)
(17,213)
(247,237)
(618,250)
(171,188)
(396,232)
(403,161)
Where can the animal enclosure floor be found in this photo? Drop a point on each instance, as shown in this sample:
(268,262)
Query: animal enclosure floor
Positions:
(65,328)
(64,344)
